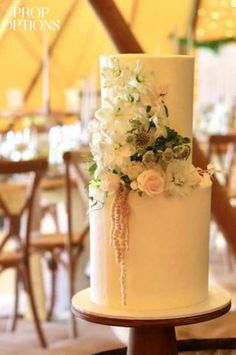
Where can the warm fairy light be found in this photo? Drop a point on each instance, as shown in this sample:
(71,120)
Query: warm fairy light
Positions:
(200,32)
(216,20)
(213,26)
(224,3)
(215,15)
(229,33)
(213,3)
(229,23)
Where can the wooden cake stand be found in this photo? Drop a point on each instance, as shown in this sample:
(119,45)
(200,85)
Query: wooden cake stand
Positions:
(152,332)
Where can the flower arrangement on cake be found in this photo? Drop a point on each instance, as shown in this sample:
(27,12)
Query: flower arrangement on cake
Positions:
(132,144)
(135,150)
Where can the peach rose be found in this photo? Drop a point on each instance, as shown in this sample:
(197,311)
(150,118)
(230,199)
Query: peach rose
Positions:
(109,182)
(151,181)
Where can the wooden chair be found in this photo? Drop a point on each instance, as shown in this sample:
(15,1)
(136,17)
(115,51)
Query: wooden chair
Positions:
(53,245)
(19,257)
(222,147)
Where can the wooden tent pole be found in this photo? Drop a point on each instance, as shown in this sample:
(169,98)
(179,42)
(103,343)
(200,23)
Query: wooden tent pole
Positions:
(116,26)
(223,213)
(50,50)
(119,31)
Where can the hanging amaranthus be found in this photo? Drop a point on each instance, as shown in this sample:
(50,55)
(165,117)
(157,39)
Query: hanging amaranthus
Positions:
(119,234)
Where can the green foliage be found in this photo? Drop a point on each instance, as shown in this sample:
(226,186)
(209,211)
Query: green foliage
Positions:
(148,108)
(93,201)
(214,45)
(126,179)
(92,169)
(166,110)
(174,138)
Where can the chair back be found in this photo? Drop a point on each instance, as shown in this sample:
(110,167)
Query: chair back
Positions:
(8,170)
(223,148)
(75,175)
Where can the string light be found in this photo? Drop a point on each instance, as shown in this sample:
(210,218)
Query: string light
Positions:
(200,32)
(215,15)
(213,26)
(224,3)
(213,3)
(229,23)
(216,20)
(229,33)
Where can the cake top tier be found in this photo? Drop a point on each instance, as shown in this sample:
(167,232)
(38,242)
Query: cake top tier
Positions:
(141,137)
(148,55)
(173,74)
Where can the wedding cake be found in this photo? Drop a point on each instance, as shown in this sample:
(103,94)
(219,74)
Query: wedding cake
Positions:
(149,206)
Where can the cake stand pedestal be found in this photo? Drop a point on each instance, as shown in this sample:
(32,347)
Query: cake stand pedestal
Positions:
(152,332)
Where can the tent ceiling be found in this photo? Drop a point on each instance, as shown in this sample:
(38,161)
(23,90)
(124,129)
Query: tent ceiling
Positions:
(76,47)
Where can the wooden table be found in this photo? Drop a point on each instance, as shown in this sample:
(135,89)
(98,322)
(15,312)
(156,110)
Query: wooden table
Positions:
(152,333)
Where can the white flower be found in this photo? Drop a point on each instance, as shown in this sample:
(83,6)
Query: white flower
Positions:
(161,130)
(149,157)
(206,179)
(182,151)
(134,185)
(160,112)
(181,178)
(108,158)
(133,169)
(125,151)
(104,114)
(151,181)
(116,75)
(168,155)
(109,182)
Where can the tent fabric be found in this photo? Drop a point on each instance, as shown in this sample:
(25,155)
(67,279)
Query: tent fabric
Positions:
(75,48)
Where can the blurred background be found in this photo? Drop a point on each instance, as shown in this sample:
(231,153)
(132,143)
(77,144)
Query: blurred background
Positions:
(49,91)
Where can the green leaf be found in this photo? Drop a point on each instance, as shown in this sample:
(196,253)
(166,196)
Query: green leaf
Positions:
(92,169)
(186,140)
(126,179)
(94,204)
(95,182)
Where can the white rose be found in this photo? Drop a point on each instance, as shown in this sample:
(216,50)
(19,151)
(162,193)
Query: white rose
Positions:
(109,182)
(134,169)
(151,181)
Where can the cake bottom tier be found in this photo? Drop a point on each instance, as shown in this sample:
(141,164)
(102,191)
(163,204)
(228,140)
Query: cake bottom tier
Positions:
(167,260)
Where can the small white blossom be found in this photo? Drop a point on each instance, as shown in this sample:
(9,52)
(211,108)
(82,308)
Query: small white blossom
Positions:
(134,185)
(134,169)
(109,182)
(181,178)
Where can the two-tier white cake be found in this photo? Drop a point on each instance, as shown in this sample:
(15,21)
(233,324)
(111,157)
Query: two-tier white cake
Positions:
(150,208)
